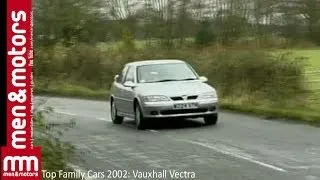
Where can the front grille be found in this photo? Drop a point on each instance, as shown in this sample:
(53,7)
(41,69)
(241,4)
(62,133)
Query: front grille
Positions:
(179,98)
(183,111)
(192,97)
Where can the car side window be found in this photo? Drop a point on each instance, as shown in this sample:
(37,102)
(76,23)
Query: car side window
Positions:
(130,75)
(122,75)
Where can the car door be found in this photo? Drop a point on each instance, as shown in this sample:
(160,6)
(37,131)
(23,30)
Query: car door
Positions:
(128,92)
(118,90)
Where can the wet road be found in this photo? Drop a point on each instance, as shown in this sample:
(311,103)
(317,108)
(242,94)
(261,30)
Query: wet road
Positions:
(238,147)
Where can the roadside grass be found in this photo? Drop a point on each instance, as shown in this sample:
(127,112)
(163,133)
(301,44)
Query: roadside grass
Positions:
(68,90)
(310,115)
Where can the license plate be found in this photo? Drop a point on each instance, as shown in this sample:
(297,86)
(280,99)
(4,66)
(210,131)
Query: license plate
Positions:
(185,106)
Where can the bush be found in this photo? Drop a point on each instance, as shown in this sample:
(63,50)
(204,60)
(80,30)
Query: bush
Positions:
(205,36)
(314,33)
(258,76)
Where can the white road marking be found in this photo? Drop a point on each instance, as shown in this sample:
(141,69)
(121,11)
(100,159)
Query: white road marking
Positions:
(152,130)
(236,155)
(66,113)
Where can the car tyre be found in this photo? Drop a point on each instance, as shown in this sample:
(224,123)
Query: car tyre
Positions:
(211,119)
(139,119)
(114,114)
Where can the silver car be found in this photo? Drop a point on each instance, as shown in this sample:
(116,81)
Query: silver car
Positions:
(161,89)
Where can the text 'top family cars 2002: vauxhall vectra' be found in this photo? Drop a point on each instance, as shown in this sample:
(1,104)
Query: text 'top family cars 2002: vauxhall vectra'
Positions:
(161,89)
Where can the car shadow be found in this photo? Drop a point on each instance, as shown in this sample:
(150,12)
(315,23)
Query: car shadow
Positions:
(171,123)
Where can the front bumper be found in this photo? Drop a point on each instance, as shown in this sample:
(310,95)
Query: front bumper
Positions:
(166,109)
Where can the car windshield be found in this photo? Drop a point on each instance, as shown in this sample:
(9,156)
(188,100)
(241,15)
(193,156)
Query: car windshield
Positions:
(165,72)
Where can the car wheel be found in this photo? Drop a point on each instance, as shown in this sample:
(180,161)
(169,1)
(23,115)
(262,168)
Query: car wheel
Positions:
(138,116)
(211,119)
(114,114)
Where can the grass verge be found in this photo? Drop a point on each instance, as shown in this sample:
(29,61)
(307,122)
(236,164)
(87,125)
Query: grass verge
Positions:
(55,152)
(303,115)
(67,90)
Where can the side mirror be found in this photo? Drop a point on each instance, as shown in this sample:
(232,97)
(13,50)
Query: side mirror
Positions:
(203,79)
(116,77)
(129,84)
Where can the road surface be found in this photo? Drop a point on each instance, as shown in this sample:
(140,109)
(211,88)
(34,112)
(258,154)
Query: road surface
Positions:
(239,147)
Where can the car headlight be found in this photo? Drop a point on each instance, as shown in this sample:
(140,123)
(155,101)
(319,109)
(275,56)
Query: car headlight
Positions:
(155,98)
(209,95)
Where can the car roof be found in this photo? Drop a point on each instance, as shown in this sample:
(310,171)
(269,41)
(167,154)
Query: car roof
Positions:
(158,61)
